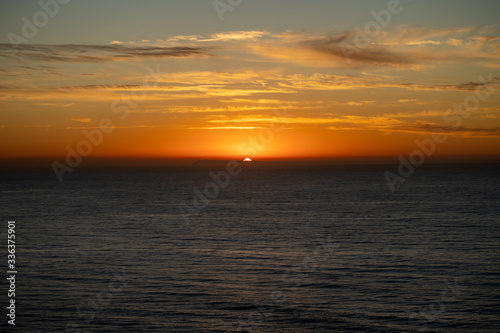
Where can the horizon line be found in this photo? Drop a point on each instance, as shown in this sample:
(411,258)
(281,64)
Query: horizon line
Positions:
(138,162)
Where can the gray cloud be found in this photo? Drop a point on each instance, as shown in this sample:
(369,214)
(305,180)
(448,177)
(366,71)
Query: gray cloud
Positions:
(449,130)
(341,45)
(402,47)
(96,53)
(474,85)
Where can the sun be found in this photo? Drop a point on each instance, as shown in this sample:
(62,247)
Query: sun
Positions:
(247,159)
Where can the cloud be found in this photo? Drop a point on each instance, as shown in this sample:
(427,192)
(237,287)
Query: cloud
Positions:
(29,71)
(344,48)
(348,82)
(475,85)
(226,128)
(428,113)
(64,105)
(239,35)
(427,128)
(251,35)
(38,126)
(233,86)
(335,122)
(73,53)
(82,120)
(401,47)
(340,121)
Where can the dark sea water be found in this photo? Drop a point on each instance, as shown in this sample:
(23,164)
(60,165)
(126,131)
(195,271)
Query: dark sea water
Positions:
(280,249)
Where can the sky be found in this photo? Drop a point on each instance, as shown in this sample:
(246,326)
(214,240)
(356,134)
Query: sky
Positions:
(229,79)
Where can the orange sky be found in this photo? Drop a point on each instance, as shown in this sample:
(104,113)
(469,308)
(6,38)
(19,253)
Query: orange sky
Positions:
(269,93)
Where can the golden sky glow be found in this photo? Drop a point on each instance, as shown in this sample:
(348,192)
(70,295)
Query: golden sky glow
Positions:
(207,93)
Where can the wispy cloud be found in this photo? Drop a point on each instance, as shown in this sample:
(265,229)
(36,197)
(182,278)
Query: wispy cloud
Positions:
(251,35)
(463,131)
(226,128)
(402,47)
(236,85)
(334,122)
(82,120)
(96,53)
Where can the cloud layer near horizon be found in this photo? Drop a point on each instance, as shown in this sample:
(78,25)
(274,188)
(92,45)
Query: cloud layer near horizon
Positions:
(312,74)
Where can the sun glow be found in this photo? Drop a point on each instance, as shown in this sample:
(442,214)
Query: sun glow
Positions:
(247,160)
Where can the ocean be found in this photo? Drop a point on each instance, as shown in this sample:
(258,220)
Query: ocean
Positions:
(275,249)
